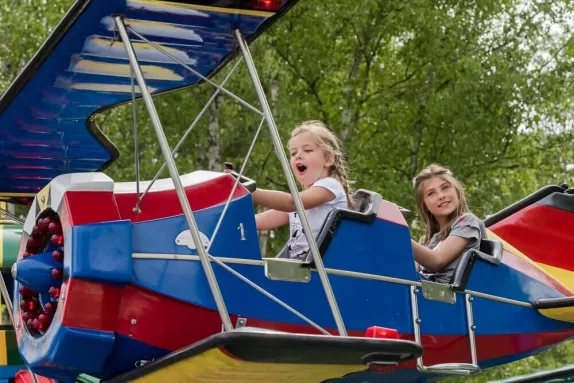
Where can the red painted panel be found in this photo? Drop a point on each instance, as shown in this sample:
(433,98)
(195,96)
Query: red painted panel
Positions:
(533,272)
(542,233)
(390,212)
(90,305)
(162,321)
(88,207)
(23,376)
(166,204)
(170,324)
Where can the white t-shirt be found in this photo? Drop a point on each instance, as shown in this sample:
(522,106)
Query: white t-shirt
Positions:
(297,245)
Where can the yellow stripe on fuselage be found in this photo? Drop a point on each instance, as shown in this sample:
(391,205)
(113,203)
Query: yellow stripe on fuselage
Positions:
(564,314)
(566,277)
(214,366)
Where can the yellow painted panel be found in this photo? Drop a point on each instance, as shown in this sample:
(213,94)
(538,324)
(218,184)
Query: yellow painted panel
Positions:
(214,366)
(150,72)
(566,277)
(3,349)
(565,314)
(1,246)
(518,253)
(204,8)
(42,198)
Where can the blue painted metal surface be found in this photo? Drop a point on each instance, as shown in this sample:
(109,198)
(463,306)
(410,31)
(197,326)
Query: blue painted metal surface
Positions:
(45,127)
(99,252)
(159,236)
(126,352)
(85,349)
(508,283)
(381,248)
(35,272)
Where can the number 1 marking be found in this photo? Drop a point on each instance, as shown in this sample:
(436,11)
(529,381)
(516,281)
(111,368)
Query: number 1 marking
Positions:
(242,231)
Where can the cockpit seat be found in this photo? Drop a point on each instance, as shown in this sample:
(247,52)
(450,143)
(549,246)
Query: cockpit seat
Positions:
(365,209)
(490,251)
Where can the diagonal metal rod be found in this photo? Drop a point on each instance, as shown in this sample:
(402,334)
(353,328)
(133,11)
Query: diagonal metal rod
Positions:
(136,138)
(216,230)
(268,294)
(187,258)
(188,213)
(10,308)
(187,133)
(11,216)
(276,138)
(165,52)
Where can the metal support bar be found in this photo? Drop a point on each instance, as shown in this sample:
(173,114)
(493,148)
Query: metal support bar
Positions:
(7,214)
(207,80)
(10,308)
(136,137)
(188,132)
(221,261)
(7,299)
(445,368)
(471,327)
(166,151)
(291,182)
(218,225)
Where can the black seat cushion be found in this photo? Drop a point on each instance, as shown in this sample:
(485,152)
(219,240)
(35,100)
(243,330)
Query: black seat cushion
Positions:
(490,251)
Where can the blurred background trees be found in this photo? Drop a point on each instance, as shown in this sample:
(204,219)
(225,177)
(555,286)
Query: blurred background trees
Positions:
(483,87)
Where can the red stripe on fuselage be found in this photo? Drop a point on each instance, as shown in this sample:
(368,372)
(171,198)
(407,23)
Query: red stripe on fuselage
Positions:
(542,233)
(161,204)
(390,212)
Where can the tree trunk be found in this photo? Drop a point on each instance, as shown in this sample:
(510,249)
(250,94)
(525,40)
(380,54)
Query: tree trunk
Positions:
(346,115)
(213,154)
(415,148)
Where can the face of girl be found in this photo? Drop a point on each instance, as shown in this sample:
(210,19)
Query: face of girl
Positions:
(308,161)
(440,197)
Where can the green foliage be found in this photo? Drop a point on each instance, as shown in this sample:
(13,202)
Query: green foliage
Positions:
(555,357)
(483,87)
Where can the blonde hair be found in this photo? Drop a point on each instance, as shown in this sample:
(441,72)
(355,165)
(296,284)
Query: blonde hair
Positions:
(331,144)
(429,221)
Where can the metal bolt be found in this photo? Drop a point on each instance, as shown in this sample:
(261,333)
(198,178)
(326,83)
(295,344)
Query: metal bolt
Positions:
(470,299)
(133,321)
(419,320)
(415,291)
(473,327)
(43,199)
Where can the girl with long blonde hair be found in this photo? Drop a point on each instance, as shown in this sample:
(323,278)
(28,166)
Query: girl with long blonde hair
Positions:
(450,228)
(319,165)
